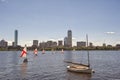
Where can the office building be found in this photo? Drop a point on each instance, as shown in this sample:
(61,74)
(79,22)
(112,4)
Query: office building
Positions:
(35,43)
(81,44)
(65,42)
(69,38)
(16,38)
(54,44)
(90,44)
(43,45)
(60,43)
(104,45)
(3,43)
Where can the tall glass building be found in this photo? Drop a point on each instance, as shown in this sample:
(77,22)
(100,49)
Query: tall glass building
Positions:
(35,43)
(16,38)
(66,42)
(69,38)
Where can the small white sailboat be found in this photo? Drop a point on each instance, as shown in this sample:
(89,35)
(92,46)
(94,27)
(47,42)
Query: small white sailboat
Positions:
(24,54)
(62,51)
(81,68)
(36,51)
(43,51)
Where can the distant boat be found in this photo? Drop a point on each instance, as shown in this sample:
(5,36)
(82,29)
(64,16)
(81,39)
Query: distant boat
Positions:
(81,68)
(62,51)
(36,51)
(24,54)
(43,51)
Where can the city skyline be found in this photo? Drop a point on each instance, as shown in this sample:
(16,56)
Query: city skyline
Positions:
(49,20)
(67,42)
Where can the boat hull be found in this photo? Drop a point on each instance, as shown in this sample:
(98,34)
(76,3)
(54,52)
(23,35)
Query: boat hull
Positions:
(79,69)
(25,60)
(87,71)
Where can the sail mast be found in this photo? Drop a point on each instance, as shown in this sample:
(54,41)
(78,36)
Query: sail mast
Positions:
(87,50)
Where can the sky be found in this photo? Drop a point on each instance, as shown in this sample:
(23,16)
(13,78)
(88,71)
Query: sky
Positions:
(45,20)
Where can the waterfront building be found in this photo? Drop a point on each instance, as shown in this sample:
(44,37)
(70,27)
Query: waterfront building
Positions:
(3,43)
(90,44)
(49,44)
(60,43)
(42,45)
(81,44)
(54,44)
(117,45)
(16,38)
(104,45)
(35,43)
(109,45)
(65,42)
(69,38)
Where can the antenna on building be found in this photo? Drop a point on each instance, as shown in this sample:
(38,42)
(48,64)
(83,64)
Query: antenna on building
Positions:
(68,27)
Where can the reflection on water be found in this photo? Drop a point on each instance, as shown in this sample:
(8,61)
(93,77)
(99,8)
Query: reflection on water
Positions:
(68,56)
(23,70)
(76,76)
(14,57)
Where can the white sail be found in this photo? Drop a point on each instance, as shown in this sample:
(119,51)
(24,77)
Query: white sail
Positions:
(24,52)
(36,51)
(43,51)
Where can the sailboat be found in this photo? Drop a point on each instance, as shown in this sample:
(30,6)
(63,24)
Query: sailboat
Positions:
(24,54)
(62,51)
(43,51)
(81,68)
(36,51)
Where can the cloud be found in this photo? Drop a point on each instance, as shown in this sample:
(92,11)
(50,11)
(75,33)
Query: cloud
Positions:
(9,42)
(73,38)
(52,39)
(60,39)
(110,32)
(28,43)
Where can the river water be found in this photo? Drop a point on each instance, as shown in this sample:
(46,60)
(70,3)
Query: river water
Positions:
(52,65)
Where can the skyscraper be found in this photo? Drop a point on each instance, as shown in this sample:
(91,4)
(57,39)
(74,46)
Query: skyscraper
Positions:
(81,44)
(69,38)
(16,38)
(35,43)
(65,42)
(60,43)
(3,43)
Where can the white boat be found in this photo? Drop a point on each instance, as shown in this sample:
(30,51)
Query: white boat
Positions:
(62,51)
(81,68)
(43,51)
